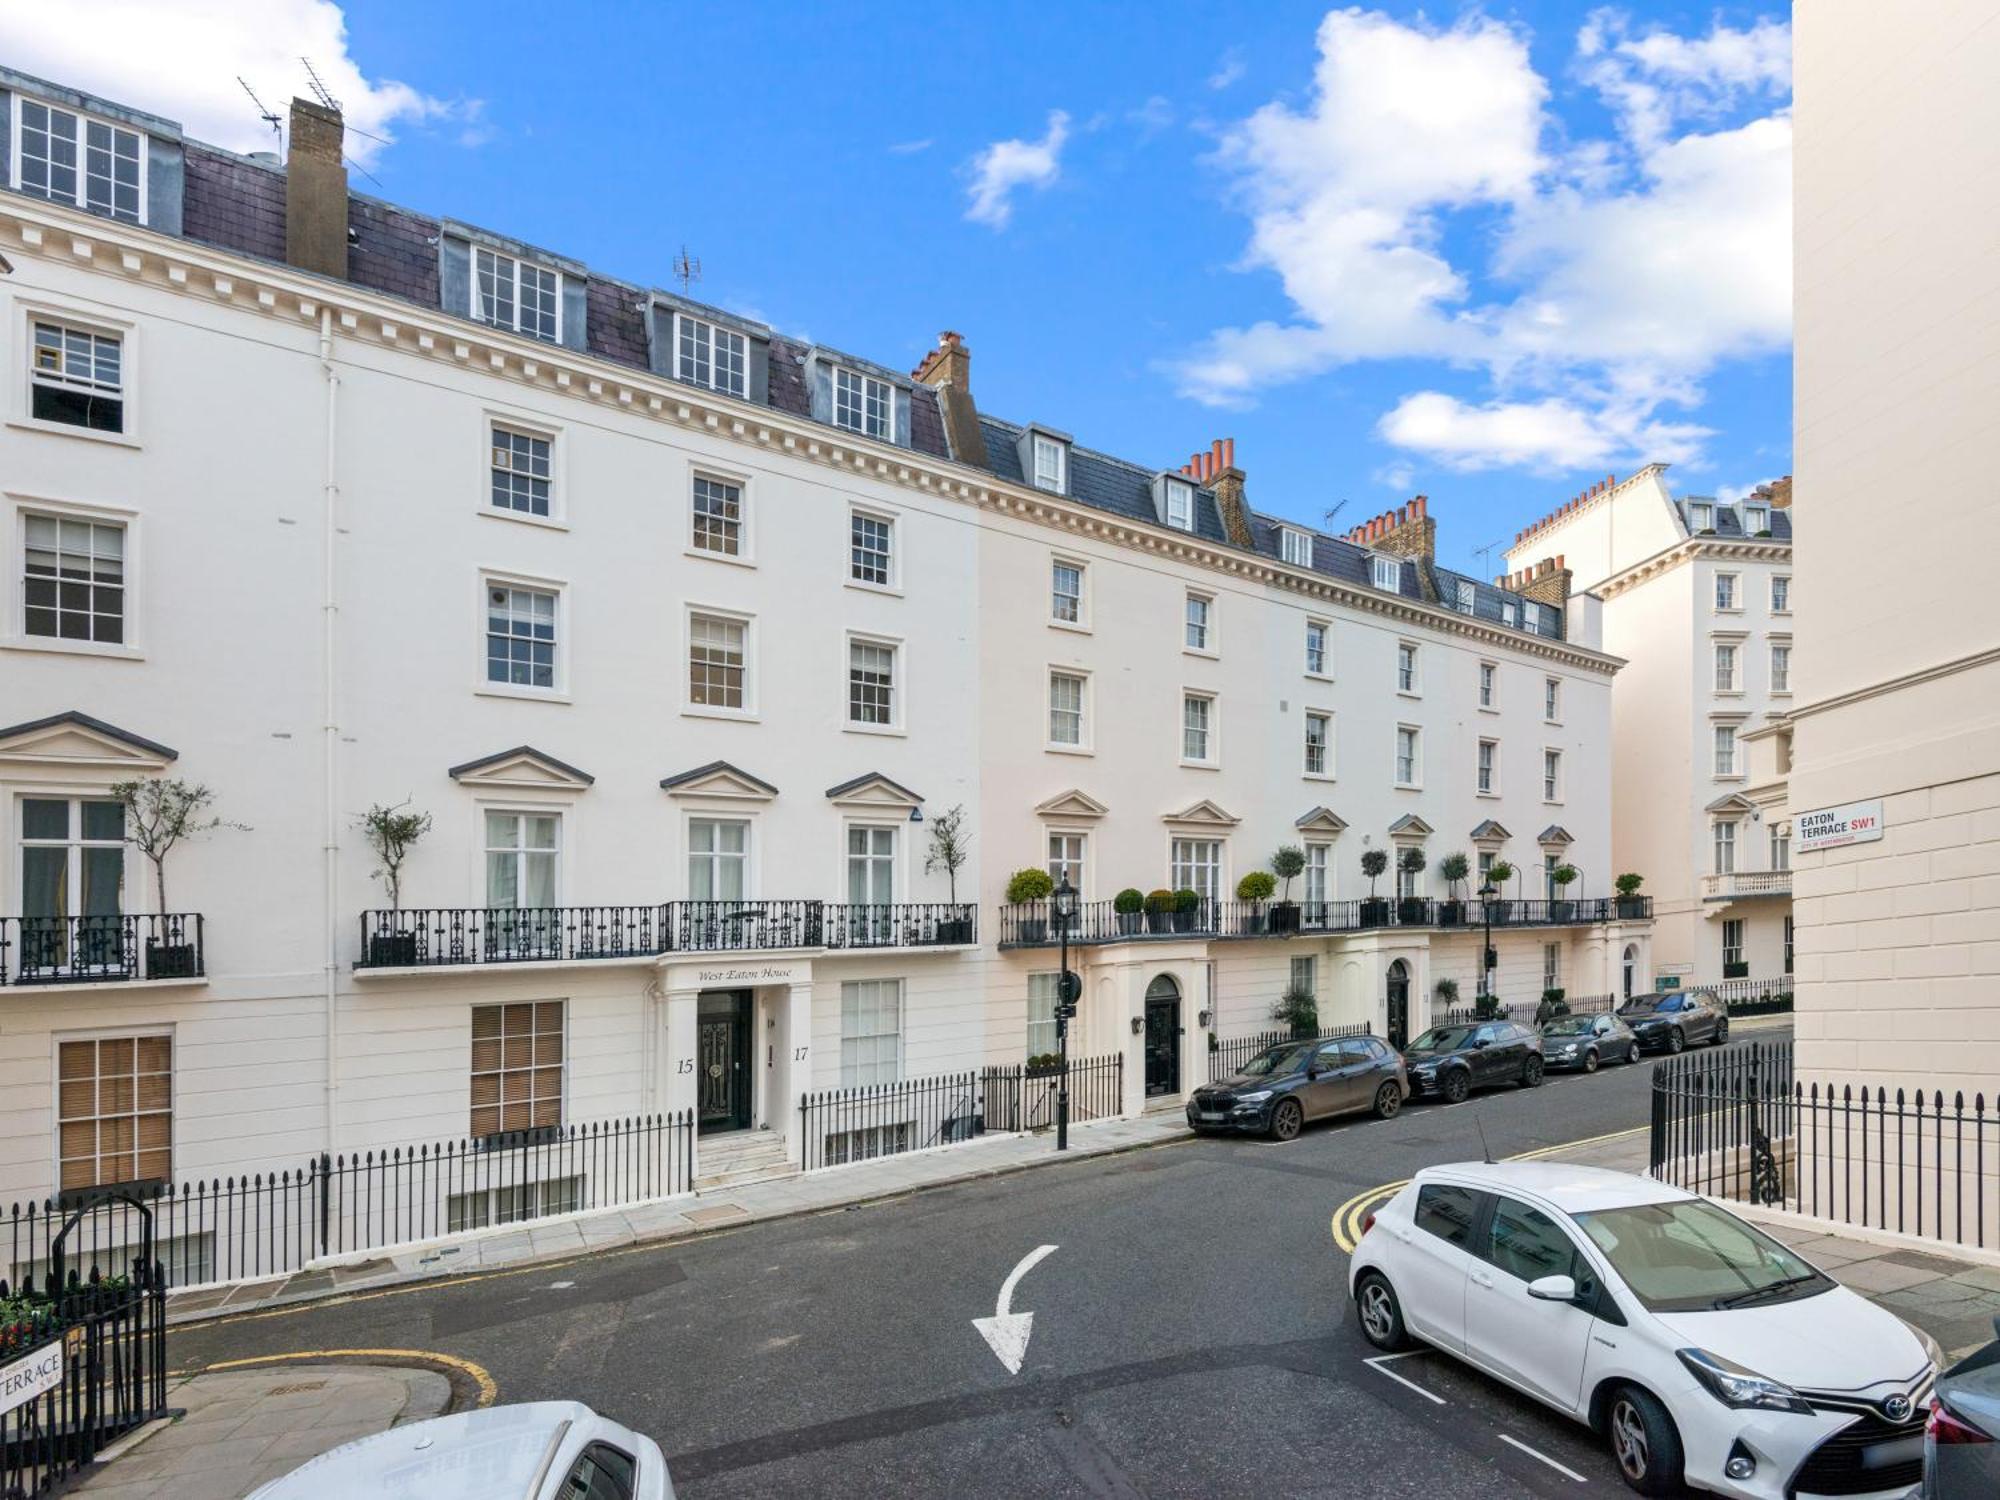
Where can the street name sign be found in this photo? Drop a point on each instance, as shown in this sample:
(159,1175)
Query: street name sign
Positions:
(1834,827)
(28,1377)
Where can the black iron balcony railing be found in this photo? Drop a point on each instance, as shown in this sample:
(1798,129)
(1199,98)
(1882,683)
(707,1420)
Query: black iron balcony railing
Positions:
(101,949)
(449,936)
(1032,924)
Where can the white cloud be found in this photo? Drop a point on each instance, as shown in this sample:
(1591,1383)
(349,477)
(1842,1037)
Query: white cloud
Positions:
(1230,70)
(182,61)
(910,148)
(1422,203)
(1155,115)
(1004,166)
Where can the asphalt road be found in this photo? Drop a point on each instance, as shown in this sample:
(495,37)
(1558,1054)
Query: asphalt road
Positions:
(1192,1334)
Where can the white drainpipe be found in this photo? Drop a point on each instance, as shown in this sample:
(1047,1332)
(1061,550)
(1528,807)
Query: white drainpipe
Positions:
(330,725)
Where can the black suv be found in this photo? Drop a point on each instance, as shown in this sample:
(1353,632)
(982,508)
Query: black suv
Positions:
(1282,1087)
(1451,1061)
(1675,1021)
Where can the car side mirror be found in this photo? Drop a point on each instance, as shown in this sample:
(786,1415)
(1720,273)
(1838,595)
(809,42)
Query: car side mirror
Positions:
(1479,1042)
(1312,1070)
(1553,1289)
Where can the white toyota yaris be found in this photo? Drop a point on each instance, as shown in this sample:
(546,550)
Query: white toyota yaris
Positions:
(1706,1352)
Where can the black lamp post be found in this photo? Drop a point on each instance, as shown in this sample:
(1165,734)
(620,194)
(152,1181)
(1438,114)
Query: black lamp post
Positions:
(1486,895)
(1068,987)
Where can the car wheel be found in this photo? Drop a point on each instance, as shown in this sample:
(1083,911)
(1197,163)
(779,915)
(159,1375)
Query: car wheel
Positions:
(1590,1061)
(1677,1041)
(1721,1032)
(1632,1056)
(1531,1072)
(1287,1120)
(1388,1099)
(1644,1442)
(1455,1085)
(1380,1313)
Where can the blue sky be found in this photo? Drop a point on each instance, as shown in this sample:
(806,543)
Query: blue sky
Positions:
(1489,255)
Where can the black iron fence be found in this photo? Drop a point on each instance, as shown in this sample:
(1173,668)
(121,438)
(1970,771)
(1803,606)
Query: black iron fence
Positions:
(1228,1054)
(1528,1012)
(274,1223)
(446,936)
(101,949)
(837,1126)
(1750,997)
(1031,924)
(1738,1124)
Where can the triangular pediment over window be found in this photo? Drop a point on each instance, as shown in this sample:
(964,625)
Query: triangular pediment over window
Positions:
(1410,826)
(77,741)
(1071,804)
(1555,833)
(1735,802)
(1490,832)
(1203,814)
(720,779)
(1321,820)
(874,790)
(523,767)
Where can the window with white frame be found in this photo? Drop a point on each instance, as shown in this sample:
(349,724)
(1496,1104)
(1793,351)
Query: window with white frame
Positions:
(863,404)
(1486,861)
(1550,864)
(1552,773)
(1066,708)
(1781,593)
(1305,973)
(1295,547)
(515,295)
(1066,851)
(72,861)
(1198,728)
(1180,505)
(1388,574)
(514,1203)
(1489,755)
(1319,744)
(1781,847)
(718,859)
(1510,612)
(1467,597)
(1319,873)
(1489,677)
(73,579)
(520,471)
(1725,846)
(1755,519)
(1725,749)
(520,636)
(1051,464)
(871,683)
(870,548)
(871,865)
(1409,883)
(1725,667)
(114,1110)
(1725,591)
(1732,945)
(1552,966)
(1702,517)
(1409,758)
(717,511)
(1066,592)
(1042,997)
(712,356)
(1200,610)
(517,1067)
(73,158)
(718,661)
(1781,667)
(1406,667)
(1552,699)
(522,850)
(1316,648)
(76,376)
(1531,618)
(871,1032)
(1197,867)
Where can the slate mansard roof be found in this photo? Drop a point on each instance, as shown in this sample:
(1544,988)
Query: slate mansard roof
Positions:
(1730,519)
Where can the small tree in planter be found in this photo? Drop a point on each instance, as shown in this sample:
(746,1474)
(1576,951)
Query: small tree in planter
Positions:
(1630,903)
(1255,889)
(392,832)
(1446,991)
(1486,1007)
(1128,903)
(1297,1010)
(1374,912)
(1044,1065)
(1411,908)
(1186,904)
(950,850)
(159,814)
(1454,868)
(1561,877)
(1159,910)
(1027,888)
(1497,875)
(1287,864)
(1553,1005)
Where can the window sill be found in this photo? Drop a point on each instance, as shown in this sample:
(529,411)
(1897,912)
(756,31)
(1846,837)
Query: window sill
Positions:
(528,695)
(894,731)
(525,518)
(1729,609)
(1781,614)
(57,646)
(1200,765)
(1317,776)
(861,586)
(1202,651)
(70,429)
(734,560)
(703,711)
(1407,786)
(1781,692)
(1055,749)
(1489,796)
(1075,627)
(1489,708)
(1727,692)
(1318,676)
(1553,723)
(1729,776)
(1409,692)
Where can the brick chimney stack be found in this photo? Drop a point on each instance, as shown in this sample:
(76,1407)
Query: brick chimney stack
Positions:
(1406,531)
(1216,470)
(1778,493)
(947,370)
(1547,582)
(316,191)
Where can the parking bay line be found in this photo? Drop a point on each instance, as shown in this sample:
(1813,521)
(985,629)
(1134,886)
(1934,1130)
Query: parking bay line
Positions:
(1517,1443)
(1376,1364)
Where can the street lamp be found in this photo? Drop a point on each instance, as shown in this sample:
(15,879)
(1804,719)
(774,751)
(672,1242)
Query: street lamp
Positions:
(1068,987)
(1486,895)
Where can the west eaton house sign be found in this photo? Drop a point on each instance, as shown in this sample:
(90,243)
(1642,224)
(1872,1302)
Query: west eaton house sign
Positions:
(1831,827)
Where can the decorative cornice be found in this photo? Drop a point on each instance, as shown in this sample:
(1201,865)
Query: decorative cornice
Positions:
(1950,668)
(1689,549)
(51,232)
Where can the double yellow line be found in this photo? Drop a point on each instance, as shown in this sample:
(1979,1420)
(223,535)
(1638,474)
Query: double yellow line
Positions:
(1348,1218)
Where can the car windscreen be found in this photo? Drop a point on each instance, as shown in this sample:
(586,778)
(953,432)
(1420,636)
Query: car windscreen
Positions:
(1691,1256)
(1568,1026)
(1273,1061)
(1639,1007)
(1443,1039)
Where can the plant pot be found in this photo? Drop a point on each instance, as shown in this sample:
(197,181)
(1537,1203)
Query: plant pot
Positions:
(1451,914)
(1253,922)
(1045,1071)
(1285,917)
(1159,921)
(1375,911)
(169,960)
(1184,921)
(1031,930)
(1128,922)
(955,930)
(392,950)
(1562,911)
(1410,912)
(1736,971)
(1632,908)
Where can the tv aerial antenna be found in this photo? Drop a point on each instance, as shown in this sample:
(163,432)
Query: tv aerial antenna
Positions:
(268,115)
(1329,514)
(687,269)
(320,90)
(1485,555)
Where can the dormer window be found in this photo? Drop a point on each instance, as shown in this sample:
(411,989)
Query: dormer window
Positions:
(863,404)
(515,295)
(707,354)
(1755,519)
(1180,505)
(1295,547)
(1388,574)
(1531,618)
(72,158)
(1051,465)
(1510,612)
(1703,517)
(1466,596)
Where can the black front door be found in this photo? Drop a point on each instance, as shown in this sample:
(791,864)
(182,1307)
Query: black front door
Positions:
(722,1060)
(1399,1006)
(1163,1046)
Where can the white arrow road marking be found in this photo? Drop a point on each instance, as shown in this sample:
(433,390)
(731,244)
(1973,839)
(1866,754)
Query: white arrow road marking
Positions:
(1006,1332)
(1376,1364)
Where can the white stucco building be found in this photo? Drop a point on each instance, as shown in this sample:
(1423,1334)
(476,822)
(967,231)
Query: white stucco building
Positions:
(684,634)
(1697,597)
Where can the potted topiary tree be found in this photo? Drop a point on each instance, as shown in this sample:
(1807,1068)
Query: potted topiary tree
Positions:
(391,832)
(1560,909)
(1128,903)
(1297,1011)
(1446,991)
(1287,864)
(1630,902)
(950,849)
(1254,889)
(1187,906)
(159,813)
(1553,1005)
(1411,910)
(1497,875)
(1374,911)
(1159,911)
(1029,888)
(1454,868)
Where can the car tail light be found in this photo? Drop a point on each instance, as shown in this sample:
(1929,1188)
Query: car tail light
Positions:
(1368,1223)
(1945,1427)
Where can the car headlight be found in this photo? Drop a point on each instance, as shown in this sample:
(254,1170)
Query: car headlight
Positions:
(1569,1049)
(1257,1098)
(1735,1386)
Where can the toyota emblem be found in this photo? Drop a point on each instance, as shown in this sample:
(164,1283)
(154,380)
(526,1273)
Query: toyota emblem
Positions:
(1897,1408)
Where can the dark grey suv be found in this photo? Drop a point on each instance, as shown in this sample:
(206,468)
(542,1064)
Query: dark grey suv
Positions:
(1284,1086)
(1449,1062)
